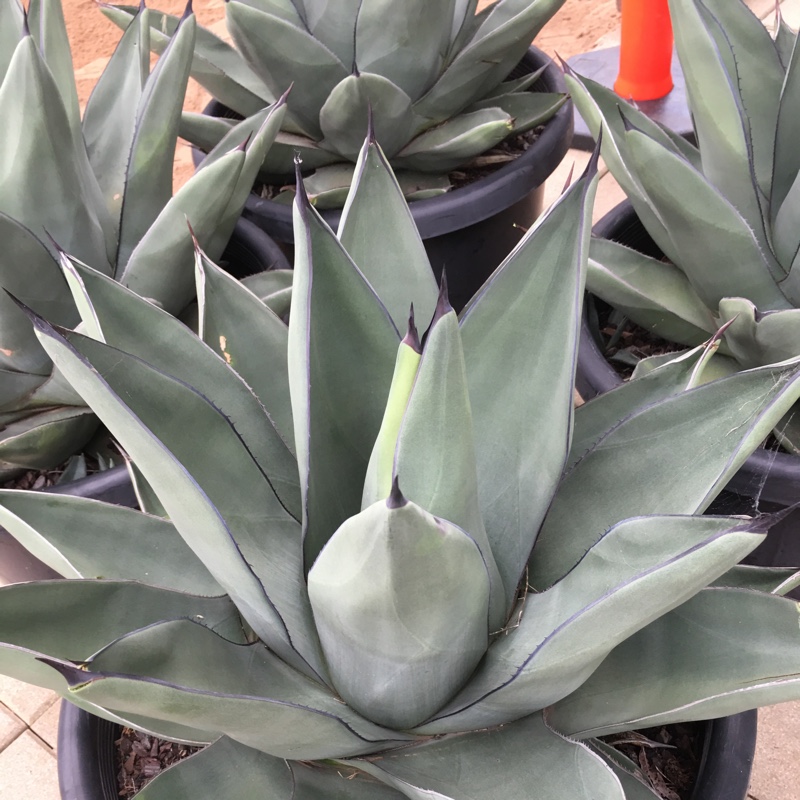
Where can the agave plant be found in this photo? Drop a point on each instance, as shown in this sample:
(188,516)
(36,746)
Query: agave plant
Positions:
(101,189)
(383,570)
(433,74)
(726,213)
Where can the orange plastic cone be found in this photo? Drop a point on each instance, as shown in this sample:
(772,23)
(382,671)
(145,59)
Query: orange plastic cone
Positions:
(645,55)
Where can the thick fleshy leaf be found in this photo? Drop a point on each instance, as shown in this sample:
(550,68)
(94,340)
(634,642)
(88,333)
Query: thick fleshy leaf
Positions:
(10,32)
(401,602)
(628,470)
(785,239)
(757,74)
(380,472)
(216,65)
(109,121)
(224,514)
(184,673)
(655,294)
(47,26)
(284,55)
(526,109)
(755,338)
(203,130)
(83,538)
(455,141)
(45,439)
(774,580)
(214,233)
(713,244)
(161,268)
(280,159)
(225,769)
(274,288)
(593,420)
(31,274)
(519,460)
(148,182)
(330,21)
(494,49)
(787,163)
(639,570)
(231,770)
(342,349)
(717,112)
(387,31)
(525,754)
(435,455)
(61,192)
(74,619)
(139,328)
(680,673)
(401,274)
(343,118)
(146,499)
(252,340)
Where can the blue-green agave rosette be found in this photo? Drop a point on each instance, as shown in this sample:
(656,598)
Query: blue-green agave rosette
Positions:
(99,187)
(376,565)
(435,76)
(724,213)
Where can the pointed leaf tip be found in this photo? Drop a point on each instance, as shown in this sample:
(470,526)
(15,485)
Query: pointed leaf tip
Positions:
(283,99)
(26,31)
(412,335)
(58,248)
(188,11)
(370,124)
(568,181)
(243,146)
(72,675)
(396,498)
(301,194)
(442,306)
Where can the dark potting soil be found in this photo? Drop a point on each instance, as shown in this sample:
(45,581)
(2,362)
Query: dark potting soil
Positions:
(480,167)
(668,757)
(141,757)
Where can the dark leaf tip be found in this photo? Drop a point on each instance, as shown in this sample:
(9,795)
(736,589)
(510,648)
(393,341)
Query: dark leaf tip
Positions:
(188,11)
(302,195)
(395,498)
(412,335)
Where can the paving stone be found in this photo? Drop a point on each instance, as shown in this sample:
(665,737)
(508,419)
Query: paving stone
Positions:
(776,769)
(27,702)
(11,726)
(46,726)
(28,770)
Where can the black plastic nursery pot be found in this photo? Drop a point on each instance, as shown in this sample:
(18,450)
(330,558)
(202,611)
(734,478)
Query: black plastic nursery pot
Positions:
(86,754)
(469,230)
(768,481)
(249,251)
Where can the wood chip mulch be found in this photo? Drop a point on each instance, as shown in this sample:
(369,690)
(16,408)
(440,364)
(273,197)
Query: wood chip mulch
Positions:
(141,757)
(669,756)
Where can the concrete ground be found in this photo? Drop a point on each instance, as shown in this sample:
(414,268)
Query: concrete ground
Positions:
(29,716)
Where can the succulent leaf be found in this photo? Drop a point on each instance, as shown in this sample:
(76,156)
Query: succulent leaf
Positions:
(435,454)
(45,20)
(216,65)
(682,673)
(455,141)
(519,461)
(269,705)
(337,400)
(245,577)
(401,602)
(578,516)
(286,55)
(148,180)
(653,293)
(639,569)
(55,170)
(254,343)
(117,544)
(402,275)
(475,764)
(343,118)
